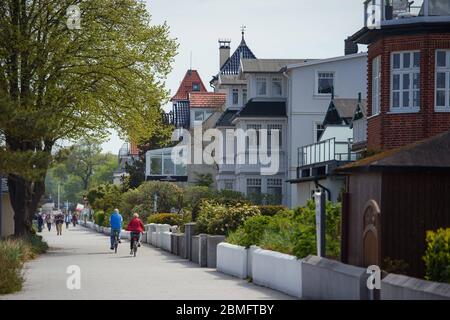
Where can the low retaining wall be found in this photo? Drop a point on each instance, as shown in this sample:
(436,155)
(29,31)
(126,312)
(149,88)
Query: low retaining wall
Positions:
(195,246)
(400,287)
(232,260)
(125,235)
(166,241)
(277,271)
(326,279)
(211,255)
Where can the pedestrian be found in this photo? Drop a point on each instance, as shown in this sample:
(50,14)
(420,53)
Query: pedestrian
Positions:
(48,221)
(68,219)
(59,221)
(75,219)
(40,222)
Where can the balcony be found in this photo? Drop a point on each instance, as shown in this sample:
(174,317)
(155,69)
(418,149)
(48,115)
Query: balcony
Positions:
(380,13)
(318,160)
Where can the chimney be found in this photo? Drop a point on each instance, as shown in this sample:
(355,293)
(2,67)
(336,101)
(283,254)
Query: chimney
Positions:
(224,51)
(350,47)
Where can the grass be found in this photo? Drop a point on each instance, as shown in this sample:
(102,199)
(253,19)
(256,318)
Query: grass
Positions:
(13,255)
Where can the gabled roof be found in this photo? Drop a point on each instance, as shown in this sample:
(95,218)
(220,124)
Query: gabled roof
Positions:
(361,111)
(341,111)
(207,99)
(262,109)
(268,65)
(429,154)
(226,118)
(185,87)
(232,65)
(321,61)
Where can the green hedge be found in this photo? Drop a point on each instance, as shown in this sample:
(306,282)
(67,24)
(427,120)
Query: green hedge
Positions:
(437,255)
(99,218)
(172,219)
(271,210)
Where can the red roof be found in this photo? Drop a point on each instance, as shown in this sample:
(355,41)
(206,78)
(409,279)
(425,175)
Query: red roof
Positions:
(187,85)
(206,100)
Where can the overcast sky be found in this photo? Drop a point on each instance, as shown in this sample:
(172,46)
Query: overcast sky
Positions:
(275,29)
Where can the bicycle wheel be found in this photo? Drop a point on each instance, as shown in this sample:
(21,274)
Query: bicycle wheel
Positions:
(134,248)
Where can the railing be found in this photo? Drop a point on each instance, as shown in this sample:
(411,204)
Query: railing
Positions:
(325,151)
(404,11)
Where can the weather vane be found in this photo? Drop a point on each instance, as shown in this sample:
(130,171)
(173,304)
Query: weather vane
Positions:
(243,28)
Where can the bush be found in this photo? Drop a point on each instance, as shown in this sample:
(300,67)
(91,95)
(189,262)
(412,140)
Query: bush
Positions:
(13,254)
(173,219)
(271,210)
(437,255)
(251,232)
(99,218)
(218,218)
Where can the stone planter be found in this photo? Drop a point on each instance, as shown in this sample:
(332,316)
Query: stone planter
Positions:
(232,260)
(277,271)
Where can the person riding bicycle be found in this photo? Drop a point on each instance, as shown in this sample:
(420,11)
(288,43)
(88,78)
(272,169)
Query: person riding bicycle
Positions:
(116,226)
(136,227)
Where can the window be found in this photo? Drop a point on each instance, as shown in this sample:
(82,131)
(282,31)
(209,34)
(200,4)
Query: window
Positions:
(376,85)
(325,82)
(244,96)
(196,87)
(277,90)
(257,128)
(261,86)
(271,127)
(254,187)
(405,82)
(235,96)
(442,80)
(199,116)
(318,131)
(229,184)
(274,191)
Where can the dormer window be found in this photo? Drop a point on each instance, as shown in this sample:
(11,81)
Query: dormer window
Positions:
(235,96)
(261,86)
(196,87)
(277,89)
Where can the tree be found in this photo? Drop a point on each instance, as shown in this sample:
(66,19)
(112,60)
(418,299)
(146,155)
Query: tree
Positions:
(57,83)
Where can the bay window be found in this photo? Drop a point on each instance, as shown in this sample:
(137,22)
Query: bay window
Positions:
(442,80)
(376,85)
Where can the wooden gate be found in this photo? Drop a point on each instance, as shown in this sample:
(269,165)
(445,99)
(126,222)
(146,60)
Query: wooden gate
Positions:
(371,234)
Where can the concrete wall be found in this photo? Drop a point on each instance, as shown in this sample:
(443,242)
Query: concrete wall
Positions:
(232,260)
(195,249)
(7,216)
(166,241)
(324,279)
(277,271)
(212,243)
(399,287)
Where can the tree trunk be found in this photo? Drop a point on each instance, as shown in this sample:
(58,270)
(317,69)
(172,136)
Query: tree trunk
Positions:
(25,197)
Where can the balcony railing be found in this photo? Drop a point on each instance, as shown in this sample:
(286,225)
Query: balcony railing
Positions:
(326,151)
(390,12)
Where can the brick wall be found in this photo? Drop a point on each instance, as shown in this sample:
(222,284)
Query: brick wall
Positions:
(387,131)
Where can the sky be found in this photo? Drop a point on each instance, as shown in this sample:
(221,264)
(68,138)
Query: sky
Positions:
(290,29)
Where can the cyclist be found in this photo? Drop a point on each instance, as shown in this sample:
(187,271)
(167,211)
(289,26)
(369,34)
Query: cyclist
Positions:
(136,227)
(116,226)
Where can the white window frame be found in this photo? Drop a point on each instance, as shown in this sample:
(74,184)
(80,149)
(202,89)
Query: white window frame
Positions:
(316,130)
(244,96)
(261,80)
(401,72)
(274,126)
(446,70)
(318,73)
(280,81)
(376,86)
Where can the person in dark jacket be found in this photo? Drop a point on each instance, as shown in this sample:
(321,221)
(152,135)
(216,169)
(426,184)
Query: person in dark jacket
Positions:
(136,228)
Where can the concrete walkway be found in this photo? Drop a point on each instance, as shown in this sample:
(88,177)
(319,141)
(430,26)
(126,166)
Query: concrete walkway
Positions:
(153,274)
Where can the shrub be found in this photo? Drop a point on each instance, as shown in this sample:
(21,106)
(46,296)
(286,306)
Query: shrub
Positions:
(173,219)
(105,197)
(271,210)
(13,254)
(217,218)
(99,218)
(437,255)
(251,231)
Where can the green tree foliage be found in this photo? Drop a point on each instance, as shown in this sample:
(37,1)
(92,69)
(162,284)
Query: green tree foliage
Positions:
(437,255)
(62,84)
(105,197)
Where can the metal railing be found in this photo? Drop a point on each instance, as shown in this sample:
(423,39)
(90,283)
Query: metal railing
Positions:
(325,151)
(406,11)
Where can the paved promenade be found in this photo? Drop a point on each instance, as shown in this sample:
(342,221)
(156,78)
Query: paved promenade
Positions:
(153,274)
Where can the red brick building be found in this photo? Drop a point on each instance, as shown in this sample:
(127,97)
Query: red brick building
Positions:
(408,70)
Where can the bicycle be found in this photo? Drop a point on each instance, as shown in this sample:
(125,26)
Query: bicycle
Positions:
(116,240)
(134,236)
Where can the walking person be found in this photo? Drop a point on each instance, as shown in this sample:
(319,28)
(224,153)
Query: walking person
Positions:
(49,221)
(59,221)
(74,219)
(115,222)
(40,222)
(68,219)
